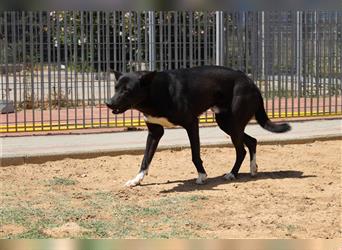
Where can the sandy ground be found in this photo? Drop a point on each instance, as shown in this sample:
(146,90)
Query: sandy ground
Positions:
(297,194)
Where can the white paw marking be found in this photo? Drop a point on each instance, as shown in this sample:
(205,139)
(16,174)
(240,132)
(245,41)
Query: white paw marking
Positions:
(201,178)
(136,180)
(229,176)
(253,166)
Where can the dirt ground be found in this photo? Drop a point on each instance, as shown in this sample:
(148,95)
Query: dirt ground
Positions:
(297,194)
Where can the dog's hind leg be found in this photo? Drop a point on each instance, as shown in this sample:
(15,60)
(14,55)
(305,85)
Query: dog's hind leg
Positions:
(237,139)
(227,124)
(155,132)
(193,133)
(251,144)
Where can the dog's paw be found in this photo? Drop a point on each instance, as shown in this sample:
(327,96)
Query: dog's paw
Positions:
(229,176)
(201,178)
(254,169)
(132,183)
(136,181)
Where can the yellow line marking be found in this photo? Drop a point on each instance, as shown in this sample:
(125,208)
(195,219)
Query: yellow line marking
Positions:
(134,122)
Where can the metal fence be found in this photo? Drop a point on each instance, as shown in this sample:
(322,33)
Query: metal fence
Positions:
(56,67)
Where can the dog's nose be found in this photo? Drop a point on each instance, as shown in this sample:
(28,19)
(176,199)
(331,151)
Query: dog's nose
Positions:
(108,103)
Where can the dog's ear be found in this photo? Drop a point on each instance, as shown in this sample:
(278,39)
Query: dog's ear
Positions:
(147,78)
(117,74)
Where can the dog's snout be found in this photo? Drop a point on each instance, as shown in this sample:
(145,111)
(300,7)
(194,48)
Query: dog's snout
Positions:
(109,103)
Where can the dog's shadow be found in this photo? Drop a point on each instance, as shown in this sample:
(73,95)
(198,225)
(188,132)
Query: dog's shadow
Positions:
(213,182)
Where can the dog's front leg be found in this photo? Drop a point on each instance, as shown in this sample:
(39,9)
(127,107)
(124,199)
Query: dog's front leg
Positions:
(193,133)
(155,132)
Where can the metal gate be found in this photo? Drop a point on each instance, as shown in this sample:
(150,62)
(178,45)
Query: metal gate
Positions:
(57,67)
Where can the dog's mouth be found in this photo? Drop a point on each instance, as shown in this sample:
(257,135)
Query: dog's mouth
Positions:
(116,111)
(120,110)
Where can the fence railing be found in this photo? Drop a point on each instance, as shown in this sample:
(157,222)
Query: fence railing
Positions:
(56,68)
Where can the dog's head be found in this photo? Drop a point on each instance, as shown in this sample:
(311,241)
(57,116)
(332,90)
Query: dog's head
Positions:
(130,90)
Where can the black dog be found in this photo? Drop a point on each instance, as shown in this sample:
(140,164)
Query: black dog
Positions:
(178,97)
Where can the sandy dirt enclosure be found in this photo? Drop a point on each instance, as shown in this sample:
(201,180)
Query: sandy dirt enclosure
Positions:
(297,194)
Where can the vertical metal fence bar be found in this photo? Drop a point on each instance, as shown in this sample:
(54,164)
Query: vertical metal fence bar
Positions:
(71,66)
(59,67)
(234,42)
(139,48)
(130,54)
(123,51)
(205,24)
(340,53)
(175,37)
(330,57)
(324,44)
(99,66)
(274,60)
(49,67)
(32,64)
(105,76)
(115,46)
(6,48)
(164,45)
(169,52)
(105,68)
(122,34)
(75,66)
(83,40)
(199,56)
(279,64)
(304,59)
(92,68)
(240,49)
(311,59)
(65,98)
(286,62)
(14,64)
(139,40)
(184,39)
(250,24)
(266,59)
(317,59)
(88,55)
(160,27)
(151,40)
(246,40)
(191,43)
(338,69)
(24,83)
(264,62)
(299,59)
(219,38)
(108,63)
(41,57)
(130,40)
(21,68)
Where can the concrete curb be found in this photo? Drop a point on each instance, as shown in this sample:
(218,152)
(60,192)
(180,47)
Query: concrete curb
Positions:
(39,159)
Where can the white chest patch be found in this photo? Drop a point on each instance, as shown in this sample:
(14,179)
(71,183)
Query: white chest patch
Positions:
(159,120)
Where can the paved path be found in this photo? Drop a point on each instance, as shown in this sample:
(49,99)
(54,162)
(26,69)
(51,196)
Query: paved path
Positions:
(18,150)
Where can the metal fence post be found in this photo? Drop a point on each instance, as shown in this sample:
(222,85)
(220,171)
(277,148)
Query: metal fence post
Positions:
(263,45)
(219,38)
(152,41)
(299,50)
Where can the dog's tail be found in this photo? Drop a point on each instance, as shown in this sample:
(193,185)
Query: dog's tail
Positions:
(266,123)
